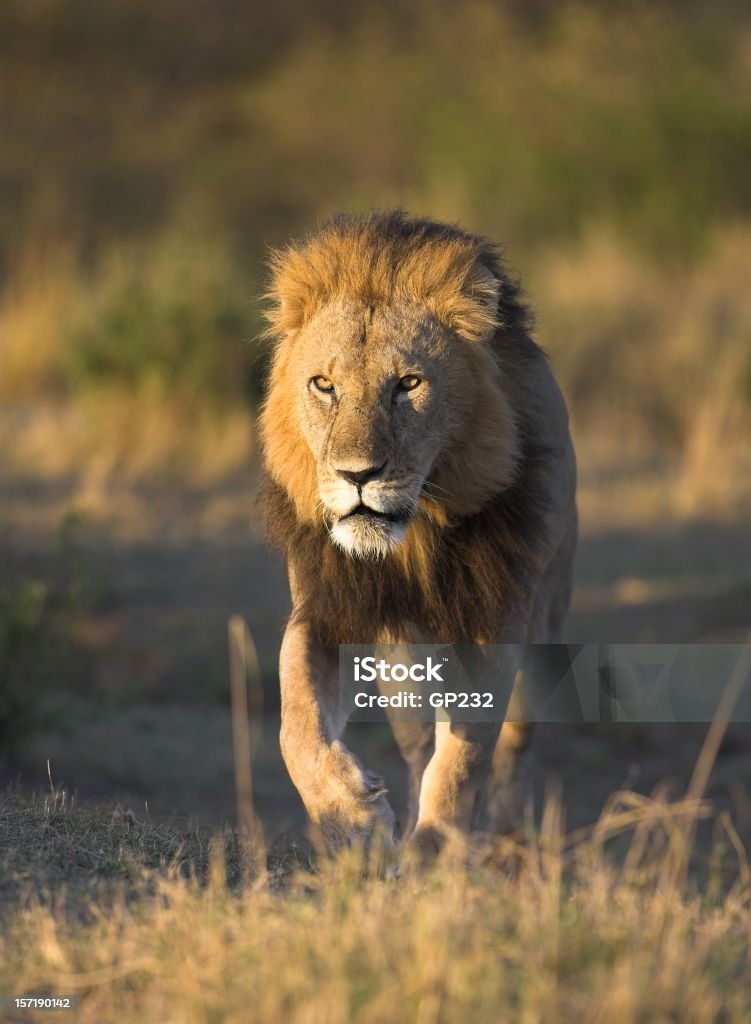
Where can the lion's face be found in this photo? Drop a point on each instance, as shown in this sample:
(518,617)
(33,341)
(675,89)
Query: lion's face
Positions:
(385,402)
(373,387)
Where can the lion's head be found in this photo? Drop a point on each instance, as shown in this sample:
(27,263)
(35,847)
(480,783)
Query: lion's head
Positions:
(385,400)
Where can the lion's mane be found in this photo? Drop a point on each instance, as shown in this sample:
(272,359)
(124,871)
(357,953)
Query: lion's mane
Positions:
(454,577)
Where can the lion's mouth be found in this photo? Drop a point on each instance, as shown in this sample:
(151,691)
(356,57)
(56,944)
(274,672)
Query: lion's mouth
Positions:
(371,515)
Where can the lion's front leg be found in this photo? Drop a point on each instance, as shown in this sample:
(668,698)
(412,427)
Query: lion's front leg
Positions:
(454,782)
(345,802)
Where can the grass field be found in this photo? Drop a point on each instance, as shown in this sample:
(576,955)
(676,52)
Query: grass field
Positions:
(143,922)
(126,885)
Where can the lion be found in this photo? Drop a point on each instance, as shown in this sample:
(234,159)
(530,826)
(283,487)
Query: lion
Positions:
(419,477)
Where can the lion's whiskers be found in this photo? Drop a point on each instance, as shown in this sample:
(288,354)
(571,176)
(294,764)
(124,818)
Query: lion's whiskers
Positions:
(417,507)
(428,485)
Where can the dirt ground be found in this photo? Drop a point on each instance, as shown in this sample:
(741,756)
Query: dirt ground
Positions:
(141,712)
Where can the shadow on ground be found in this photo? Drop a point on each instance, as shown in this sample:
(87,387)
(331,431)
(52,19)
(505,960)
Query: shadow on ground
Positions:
(141,713)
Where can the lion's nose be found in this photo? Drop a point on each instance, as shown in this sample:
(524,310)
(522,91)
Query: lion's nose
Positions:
(360,475)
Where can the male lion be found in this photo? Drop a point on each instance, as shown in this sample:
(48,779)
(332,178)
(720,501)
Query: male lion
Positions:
(420,478)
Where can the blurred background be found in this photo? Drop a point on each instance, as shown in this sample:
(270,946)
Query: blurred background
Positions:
(151,154)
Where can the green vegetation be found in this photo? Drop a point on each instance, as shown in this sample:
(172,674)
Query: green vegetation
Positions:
(22,612)
(150,157)
(527,121)
(176,319)
(34,644)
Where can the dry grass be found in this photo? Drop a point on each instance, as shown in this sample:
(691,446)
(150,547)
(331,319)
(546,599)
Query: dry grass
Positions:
(116,435)
(137,370)
(545,928)
(40,296)
(624,920)
(655,364)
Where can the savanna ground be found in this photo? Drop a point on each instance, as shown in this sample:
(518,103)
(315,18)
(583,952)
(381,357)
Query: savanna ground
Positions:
(149,157)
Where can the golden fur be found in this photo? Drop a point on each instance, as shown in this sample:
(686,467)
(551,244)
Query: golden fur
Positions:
(390,261)
(376,261)
(444,513)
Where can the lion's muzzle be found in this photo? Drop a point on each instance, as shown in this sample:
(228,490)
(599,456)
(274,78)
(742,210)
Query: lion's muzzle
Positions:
(370,533)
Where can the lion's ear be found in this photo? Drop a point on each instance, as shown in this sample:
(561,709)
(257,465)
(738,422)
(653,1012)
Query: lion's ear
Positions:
(469,303)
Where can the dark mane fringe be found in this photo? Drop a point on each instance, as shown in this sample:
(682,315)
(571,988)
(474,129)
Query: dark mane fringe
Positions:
(479,572)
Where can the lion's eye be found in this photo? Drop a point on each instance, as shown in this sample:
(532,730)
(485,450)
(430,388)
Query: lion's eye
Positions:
(323,385)
(409,383)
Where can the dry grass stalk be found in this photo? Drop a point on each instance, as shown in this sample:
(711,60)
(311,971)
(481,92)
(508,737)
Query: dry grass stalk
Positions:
(242,655)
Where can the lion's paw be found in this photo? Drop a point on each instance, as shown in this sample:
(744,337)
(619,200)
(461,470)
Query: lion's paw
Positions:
(353,810)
